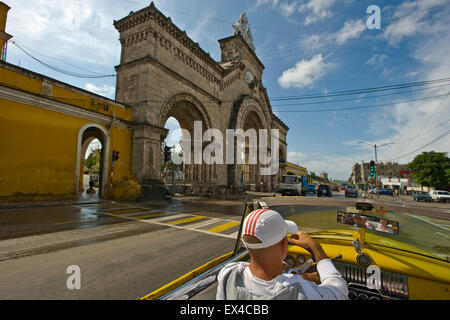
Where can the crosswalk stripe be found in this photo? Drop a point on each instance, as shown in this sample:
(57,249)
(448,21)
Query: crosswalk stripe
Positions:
(224,226)
(153,215)
(203,223)
(171,216)
(125,211)
(234,235)
(185,220)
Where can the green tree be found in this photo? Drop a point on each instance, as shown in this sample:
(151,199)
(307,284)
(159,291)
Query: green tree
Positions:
(92,162)
(431,169)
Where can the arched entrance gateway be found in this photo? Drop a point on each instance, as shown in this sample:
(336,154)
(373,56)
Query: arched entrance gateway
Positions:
(163,73)
(86,135)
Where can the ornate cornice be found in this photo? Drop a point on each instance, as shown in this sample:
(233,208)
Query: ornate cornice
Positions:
(151,13)
(52,105)
(150,59)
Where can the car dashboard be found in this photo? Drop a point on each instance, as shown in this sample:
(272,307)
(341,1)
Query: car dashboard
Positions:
(402,276)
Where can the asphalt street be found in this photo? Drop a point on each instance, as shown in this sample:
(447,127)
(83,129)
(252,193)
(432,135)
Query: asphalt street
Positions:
(127,250)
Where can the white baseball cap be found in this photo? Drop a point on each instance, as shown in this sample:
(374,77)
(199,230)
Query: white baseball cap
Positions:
(268,226)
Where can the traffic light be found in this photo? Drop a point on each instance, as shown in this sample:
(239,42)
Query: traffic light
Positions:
(372,166)
(115,155)
(167,153)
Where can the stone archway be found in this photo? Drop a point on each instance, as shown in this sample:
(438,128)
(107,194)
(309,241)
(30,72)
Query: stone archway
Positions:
(86,134)
(250,116)
(187,110)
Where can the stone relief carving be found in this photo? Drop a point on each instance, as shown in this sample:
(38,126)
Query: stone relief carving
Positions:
(129,88)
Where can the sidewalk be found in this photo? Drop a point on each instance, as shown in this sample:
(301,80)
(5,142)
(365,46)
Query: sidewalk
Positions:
(31,204)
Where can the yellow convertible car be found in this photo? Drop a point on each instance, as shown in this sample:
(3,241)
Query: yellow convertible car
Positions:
(381,254)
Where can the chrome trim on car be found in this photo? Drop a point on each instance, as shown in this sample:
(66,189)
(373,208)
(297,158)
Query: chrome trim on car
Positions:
(393,285)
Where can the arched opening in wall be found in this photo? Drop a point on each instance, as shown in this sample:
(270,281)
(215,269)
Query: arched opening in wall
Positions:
(91,170)
(250,171)
(171,170)
(188,113)
(91,163)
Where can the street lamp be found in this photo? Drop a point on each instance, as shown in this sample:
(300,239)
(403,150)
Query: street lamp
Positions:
(375,149)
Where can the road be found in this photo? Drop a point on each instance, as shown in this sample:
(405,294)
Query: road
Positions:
(126,250)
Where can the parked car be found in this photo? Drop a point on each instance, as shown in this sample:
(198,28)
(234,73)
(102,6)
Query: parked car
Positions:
(351,191)
(324,191)
(335,188)
(342,188)
(312,188)
(421,196)
(440,195)
(382,191)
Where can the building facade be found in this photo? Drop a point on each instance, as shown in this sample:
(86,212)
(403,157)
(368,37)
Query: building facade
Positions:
(295,169)
(46,125)
(360,172)
(163,73)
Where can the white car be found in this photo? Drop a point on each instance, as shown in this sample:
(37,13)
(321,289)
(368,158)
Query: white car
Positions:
(440,195)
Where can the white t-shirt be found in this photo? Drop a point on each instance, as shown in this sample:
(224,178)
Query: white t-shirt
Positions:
(333,286)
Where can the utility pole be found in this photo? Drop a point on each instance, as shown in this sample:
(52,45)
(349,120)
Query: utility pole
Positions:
(376,165)
(376,159)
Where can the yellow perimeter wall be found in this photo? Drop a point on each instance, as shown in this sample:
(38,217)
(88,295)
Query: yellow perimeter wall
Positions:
(38,147)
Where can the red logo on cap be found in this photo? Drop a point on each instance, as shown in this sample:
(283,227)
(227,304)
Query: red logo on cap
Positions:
(250,227)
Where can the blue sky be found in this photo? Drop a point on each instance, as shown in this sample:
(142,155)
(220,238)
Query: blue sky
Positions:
(307,47)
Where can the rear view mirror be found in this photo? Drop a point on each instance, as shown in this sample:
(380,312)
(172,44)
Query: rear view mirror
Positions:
(368,222)
(364,206)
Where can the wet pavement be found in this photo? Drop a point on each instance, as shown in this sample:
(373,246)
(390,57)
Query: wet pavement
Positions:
(126,250)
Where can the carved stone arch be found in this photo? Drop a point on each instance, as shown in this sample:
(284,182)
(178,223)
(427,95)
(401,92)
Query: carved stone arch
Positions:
(251,105)
(187,108)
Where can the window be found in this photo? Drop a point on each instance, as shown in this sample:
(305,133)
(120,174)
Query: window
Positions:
(289,179)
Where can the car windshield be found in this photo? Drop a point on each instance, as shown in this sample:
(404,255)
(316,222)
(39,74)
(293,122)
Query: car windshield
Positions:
(289,180)
(418,234)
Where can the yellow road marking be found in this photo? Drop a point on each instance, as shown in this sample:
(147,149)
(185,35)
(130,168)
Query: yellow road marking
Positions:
(185,220)
(224,227)
(75,221)
(152,215)
(124,211)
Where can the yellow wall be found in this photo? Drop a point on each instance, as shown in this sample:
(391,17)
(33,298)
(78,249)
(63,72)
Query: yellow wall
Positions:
(38,147)
(295,169)
(3,15)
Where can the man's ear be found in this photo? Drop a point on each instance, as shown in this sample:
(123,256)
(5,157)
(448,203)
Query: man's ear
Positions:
(284,246)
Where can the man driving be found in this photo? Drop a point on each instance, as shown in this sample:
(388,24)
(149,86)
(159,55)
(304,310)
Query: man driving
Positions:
(264,234)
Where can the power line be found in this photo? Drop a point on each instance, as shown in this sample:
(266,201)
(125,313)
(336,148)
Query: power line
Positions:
(360,91)
(428,120)
(359,98)
(363,107)
(426,145)
(57,59)
(331,39)
(69,73)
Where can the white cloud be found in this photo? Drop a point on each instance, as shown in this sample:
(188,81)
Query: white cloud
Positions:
(377,59)
(305,73)
(296,157)
(316,10)
(352,29)
(413,18)
(287,8)
(105,90)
